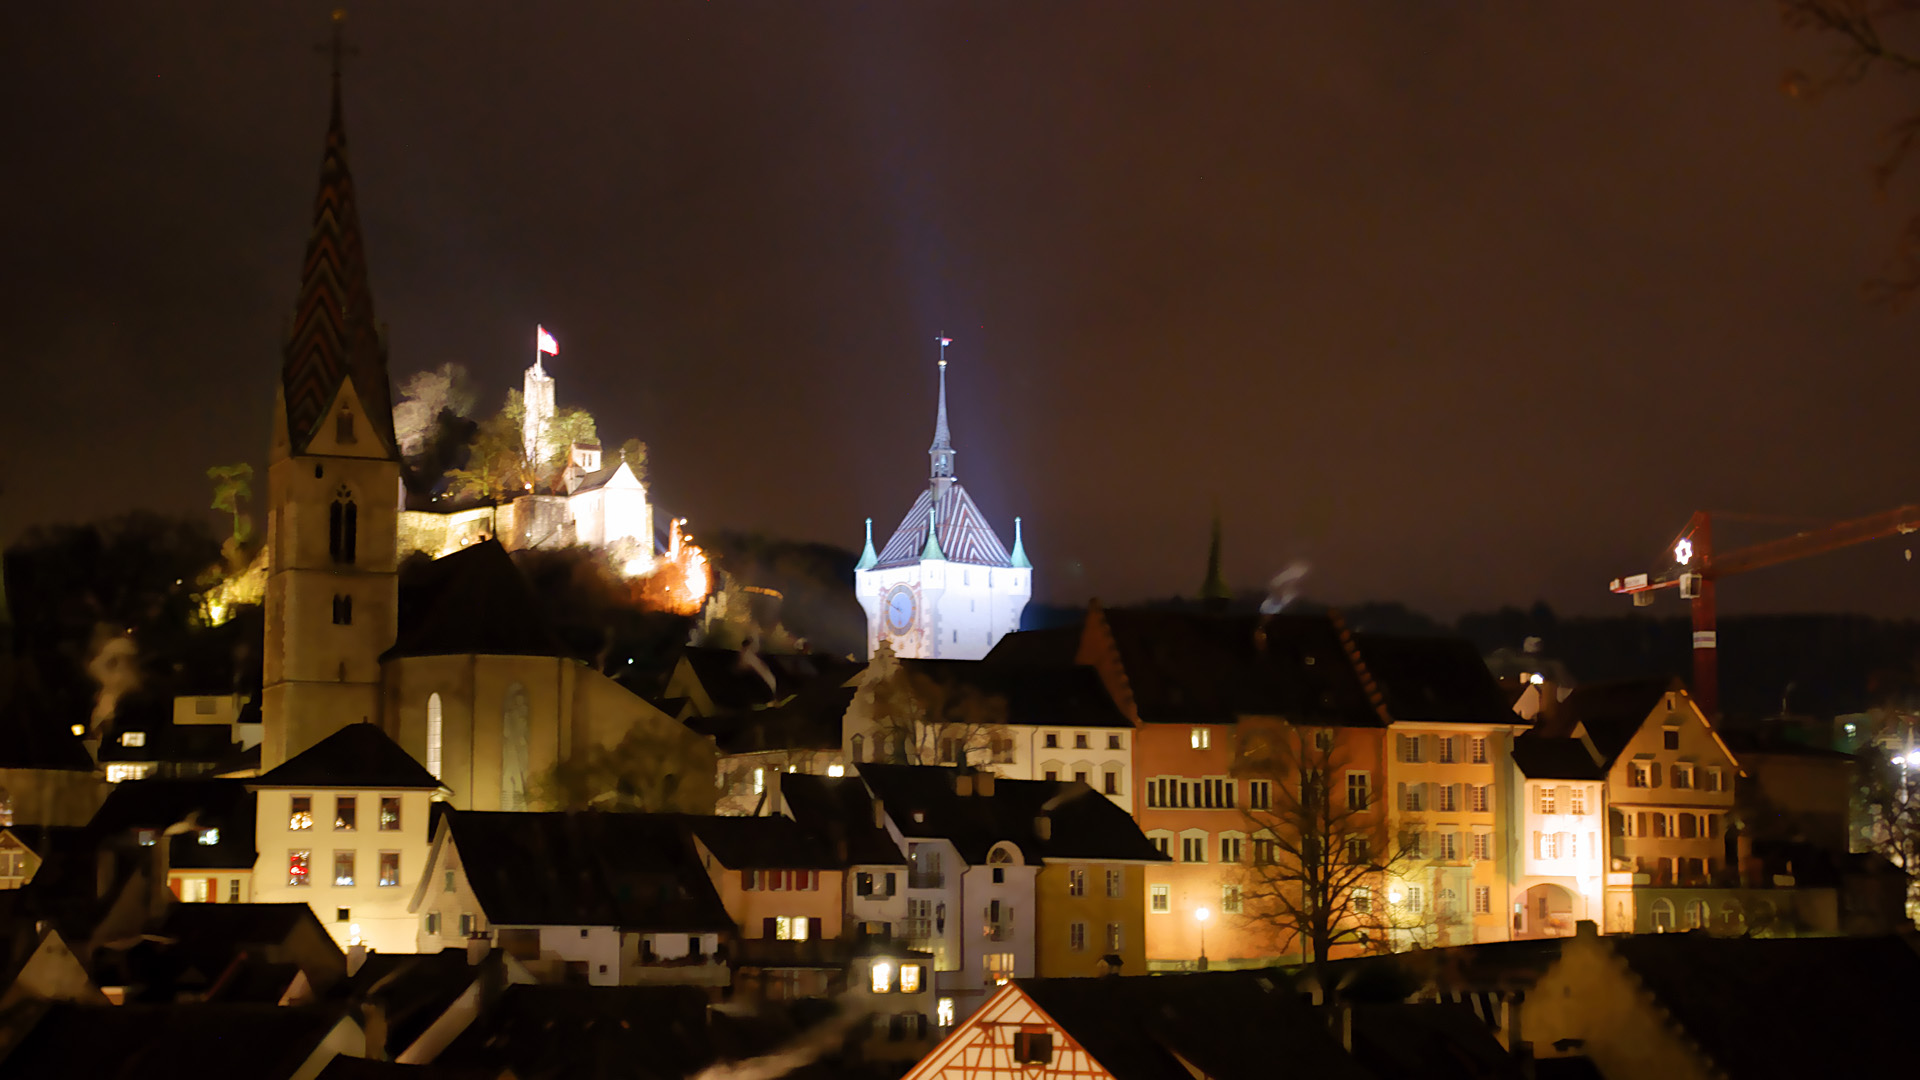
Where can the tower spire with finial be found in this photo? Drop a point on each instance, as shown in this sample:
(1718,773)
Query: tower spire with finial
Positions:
(1019,557)
(867,556)
(333,336)
(942,449)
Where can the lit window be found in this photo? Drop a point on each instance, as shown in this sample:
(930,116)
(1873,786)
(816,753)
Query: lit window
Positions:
(433,735)
(298,865)
(343,868)
(209,837)
(300,813)
(389,813)
(1160,898)
(1115,884)
(133,738)
(909,978)
(1230,899)
(146,837)
(790,928)
(1201,738)
(882,980)
(759,781)
(1076,883)
(943,1012)
(999,967)
(193,890)
(118,772)
(345,813)
(389,868)
(836,770)
(353,934)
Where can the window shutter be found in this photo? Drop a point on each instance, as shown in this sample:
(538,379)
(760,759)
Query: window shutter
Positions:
(1640,823)
(1431,744)
(813,929)
(1713,826)
(768,928)
(1539,846)
(1400,794)
(1653,773)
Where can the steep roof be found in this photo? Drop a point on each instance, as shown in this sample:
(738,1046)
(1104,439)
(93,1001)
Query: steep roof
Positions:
(839,809)
(1184,667)
(333,336)
(356,756)
(1611,712)
(1545,757)
(762,843)
(960,529)
(1230,1025)
(634,871)
(1069,695)
(1753,1004)
(1434,679)
(474,601)
(924,801)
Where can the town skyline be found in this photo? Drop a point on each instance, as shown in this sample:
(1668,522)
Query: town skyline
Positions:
(762,263)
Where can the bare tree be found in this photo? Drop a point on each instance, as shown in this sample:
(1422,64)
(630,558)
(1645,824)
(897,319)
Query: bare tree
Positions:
(654,768)
(1887,814)
(907,717)
(1863,30)
(1326,870)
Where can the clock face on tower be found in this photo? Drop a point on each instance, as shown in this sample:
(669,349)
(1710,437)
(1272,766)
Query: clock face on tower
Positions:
(901,607)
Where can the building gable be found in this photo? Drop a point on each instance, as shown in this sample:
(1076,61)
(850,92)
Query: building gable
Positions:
(992,1041)
(346,428)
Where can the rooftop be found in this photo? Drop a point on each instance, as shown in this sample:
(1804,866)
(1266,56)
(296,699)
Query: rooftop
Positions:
(924,801)
(356,756)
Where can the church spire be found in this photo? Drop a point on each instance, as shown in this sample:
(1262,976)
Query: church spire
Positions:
(1019,557)
(942,449)
(1214,591)
(333,335)
(867,557)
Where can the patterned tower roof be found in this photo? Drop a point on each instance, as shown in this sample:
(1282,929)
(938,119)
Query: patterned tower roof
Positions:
(333,334)
(959,529)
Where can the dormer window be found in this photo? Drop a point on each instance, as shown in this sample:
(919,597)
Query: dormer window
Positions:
(343,427)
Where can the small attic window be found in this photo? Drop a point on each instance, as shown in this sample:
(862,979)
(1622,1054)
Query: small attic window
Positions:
(343,427)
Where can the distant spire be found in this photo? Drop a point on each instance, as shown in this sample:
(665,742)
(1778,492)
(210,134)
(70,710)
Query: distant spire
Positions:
(932,550)
(942,449)
(867,557)
(1019,557)
(333,335)
(1214,591)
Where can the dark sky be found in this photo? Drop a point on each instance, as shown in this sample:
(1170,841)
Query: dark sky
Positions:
(1465,304)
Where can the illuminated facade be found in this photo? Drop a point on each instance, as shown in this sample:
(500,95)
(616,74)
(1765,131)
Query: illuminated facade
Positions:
(944,587)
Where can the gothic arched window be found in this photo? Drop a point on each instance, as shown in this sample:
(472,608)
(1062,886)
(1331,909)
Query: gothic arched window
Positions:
(513,749)
(343,526)
(433,735)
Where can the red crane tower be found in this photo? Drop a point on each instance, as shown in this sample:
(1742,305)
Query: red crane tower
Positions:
(1696,566)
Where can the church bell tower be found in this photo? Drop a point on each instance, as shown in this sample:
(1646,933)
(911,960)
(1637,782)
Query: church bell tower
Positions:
(333,486)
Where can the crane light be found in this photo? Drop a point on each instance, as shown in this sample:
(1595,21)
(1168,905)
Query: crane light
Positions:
(1683,551)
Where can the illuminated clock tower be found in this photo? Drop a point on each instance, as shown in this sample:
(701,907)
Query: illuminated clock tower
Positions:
(944,587)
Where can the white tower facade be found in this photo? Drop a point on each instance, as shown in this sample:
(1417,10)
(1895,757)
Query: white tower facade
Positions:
(535,428)
(944,587)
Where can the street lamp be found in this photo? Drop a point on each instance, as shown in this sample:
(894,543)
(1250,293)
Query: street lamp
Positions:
(1201,915)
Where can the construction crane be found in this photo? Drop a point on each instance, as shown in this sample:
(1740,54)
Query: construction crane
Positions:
(1696,566)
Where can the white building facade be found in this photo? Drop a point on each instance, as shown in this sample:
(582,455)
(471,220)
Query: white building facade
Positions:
(944,587)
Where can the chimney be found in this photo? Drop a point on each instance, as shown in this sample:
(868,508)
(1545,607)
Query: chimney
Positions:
(963,784)
(879,814)
(983,784)
(1586,928)
(1043,827)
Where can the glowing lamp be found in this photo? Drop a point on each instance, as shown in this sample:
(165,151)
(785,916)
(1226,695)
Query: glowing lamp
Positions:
(1536,679)
(1202,914)
(1683,551)
(1395,895)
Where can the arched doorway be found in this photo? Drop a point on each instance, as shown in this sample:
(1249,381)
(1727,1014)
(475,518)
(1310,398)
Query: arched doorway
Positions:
(1547,912)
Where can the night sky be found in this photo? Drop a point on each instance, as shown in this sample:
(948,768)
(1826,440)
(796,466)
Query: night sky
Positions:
(1464,304)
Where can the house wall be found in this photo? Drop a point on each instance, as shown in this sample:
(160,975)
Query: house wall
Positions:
(1107,768)
(1057,909)
(930,910)
(963,610)
(1569,878)
(1699,747)
(53,796)
(1172,937)
(1450,905)
(215,886)
(379,912)
(968,984)
(751,908)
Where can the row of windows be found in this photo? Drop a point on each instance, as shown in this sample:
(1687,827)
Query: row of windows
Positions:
(1699,915)
(1679,825)
(1681,776)
(200,890)
(1548,800)
(783,880)
(346,813)
(1209,793)
(1077,937)
(1051,740)
(1445,798)
(1077,883)
(1443,845)
(1109,780)
(1441,749)
(300,867)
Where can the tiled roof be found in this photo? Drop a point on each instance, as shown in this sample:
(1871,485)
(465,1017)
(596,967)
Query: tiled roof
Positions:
(1069,695)
(634,871)
(839,809)
(1611,712)
(962,531)
(1545,757)
(1784,1007)
(474,601)
(762,843)
(1434,679)
(923,801)
(356,756)
(1184,667)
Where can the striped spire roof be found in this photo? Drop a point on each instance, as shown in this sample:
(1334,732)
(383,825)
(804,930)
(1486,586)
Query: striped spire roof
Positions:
(333,335)
(959,529)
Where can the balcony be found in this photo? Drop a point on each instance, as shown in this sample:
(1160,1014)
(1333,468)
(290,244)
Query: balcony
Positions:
(998,931)
(926,879)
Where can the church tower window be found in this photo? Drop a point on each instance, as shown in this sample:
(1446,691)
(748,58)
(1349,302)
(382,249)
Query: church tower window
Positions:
(433,735)
(343,427)
(513,749)
(343,526)
(342,610)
